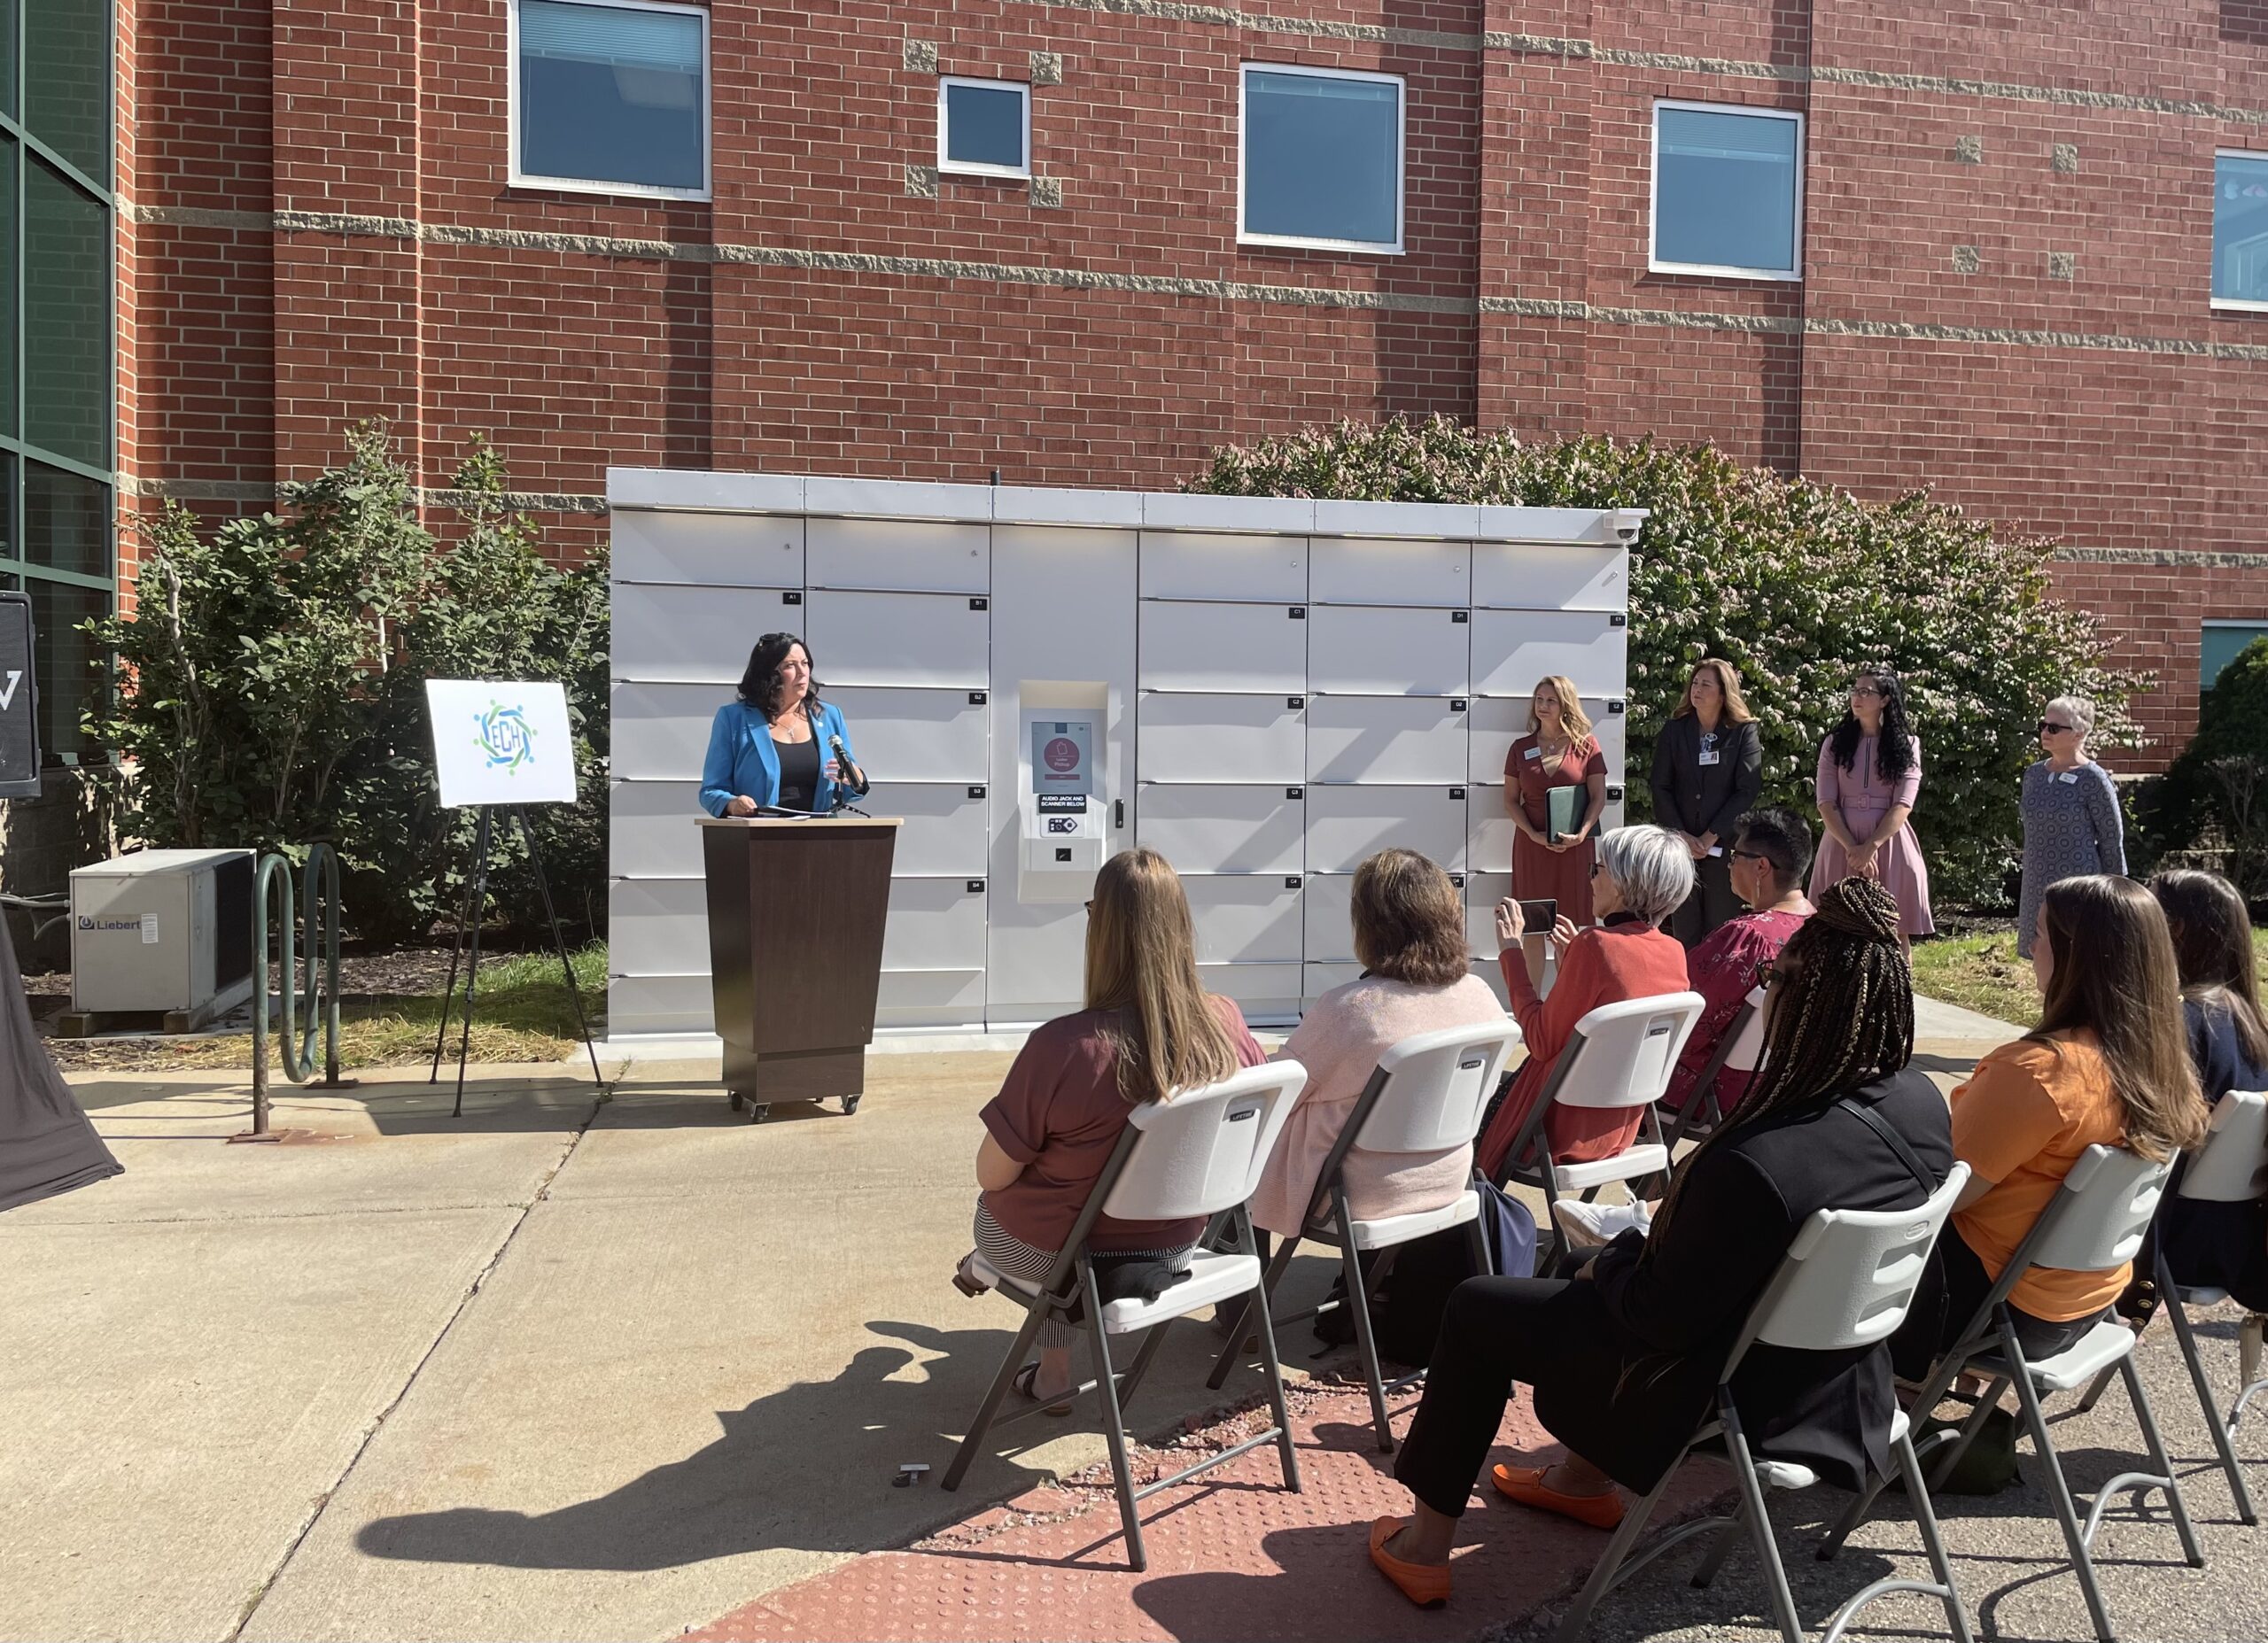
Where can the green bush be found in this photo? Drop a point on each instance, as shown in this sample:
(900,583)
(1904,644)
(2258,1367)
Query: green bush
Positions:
(1798,584)
(270,686)
(2218,789)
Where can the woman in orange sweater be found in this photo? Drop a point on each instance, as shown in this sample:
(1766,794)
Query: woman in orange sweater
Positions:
(1643,875)
(2109,1064)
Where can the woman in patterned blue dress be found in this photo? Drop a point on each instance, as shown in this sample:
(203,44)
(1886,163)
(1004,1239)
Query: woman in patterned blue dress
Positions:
(2071,821)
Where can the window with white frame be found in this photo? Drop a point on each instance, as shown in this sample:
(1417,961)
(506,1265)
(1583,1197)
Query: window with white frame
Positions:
(1320,160)
(610,96)
(2240,230)
(985,127)
(1729,190)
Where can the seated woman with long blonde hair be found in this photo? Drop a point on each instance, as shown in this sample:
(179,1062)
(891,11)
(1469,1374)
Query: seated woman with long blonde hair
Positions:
(1148,1029)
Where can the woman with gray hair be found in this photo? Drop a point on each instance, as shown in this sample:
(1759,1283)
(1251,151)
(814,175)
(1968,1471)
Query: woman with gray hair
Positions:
(1642,876)
(2072,822)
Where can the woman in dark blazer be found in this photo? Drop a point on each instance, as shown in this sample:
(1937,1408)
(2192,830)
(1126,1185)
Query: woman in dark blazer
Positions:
(1708,770)
(1624,1357)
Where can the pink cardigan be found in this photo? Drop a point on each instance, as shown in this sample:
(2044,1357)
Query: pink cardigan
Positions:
(1340,1041)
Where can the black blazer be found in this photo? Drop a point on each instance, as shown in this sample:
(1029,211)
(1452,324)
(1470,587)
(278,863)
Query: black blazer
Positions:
(1668,1308)
(1697,798)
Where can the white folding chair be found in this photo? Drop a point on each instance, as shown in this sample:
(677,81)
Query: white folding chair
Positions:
(2095,1222)
(1198,1155)
(1738,1050)
(1846,1282)
(1426,1095)
(1620,1055)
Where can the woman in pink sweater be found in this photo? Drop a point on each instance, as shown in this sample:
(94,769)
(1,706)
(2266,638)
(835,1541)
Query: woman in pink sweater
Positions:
(1409,935)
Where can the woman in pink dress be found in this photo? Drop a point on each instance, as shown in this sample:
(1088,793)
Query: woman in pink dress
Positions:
(1870,775)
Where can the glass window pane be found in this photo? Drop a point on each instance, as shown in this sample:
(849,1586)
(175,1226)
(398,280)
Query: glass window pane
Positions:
(8,57)
(609,94)
(2221,644)
(1323,158)
(1725,189)
(64,659)
(66,521)
(984,126)
(8,216)
(67,81)
(2240,228)
(67,318)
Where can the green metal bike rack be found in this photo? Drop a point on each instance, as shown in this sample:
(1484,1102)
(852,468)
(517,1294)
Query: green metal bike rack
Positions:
(319,1007)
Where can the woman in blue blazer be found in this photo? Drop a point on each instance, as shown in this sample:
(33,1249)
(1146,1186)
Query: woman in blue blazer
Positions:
(776,744)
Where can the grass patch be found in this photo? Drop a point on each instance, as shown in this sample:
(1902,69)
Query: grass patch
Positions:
(1982,972)
(522,1012)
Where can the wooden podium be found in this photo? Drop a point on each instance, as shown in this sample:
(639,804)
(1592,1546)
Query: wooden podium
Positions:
(795,916)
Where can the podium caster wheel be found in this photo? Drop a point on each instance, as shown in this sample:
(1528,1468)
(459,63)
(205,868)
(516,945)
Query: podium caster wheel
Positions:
(736,1099)
(757,1111)
(849,1105)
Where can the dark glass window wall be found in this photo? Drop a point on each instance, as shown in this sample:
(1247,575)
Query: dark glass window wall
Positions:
(57,512)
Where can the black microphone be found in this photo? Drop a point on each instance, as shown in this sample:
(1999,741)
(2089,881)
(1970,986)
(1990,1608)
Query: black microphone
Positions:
(855,778)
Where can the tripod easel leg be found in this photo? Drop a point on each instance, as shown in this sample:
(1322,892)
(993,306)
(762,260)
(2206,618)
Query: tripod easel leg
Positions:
(472,965)
(449,992)
(559,942)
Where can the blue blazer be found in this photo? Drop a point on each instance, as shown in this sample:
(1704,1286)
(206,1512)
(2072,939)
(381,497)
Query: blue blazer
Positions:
(742,760)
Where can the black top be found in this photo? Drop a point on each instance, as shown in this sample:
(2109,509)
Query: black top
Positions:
(2209,1244)
(2218,1053)
(798,773)
(1698,797)
(1670,1307)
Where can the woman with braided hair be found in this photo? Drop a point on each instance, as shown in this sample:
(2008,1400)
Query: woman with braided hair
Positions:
(1624,1357)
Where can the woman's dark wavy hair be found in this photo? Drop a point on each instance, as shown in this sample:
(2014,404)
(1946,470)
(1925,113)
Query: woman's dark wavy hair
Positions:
(1894,752)
(760,685)
(2212,946)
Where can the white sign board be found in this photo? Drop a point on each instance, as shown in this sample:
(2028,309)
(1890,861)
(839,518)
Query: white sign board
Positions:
(498,743)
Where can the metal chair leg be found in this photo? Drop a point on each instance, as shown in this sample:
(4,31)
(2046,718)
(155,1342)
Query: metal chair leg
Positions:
(1759,1523)
(1933,1391)
(1286,1451)
(1714,1564)
(1969,1429)
(2059,1493)
(2094,1391)
(1230,1352)
(1483,1261)
(1925,1519)
(2143,1413)
(1153,1338)
(1358,1299)
(1114,1419)
(1033,1315)
(2186,1338)
(1604,1574)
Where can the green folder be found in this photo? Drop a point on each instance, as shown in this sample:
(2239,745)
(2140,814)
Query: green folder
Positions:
(1561,811)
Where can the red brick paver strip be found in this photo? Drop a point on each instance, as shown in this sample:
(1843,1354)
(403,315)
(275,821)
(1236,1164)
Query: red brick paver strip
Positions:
(1234,1555)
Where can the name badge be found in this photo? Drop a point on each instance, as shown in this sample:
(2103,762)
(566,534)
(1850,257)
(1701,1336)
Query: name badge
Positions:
(1533,753)
(2069,776)
(1709,756)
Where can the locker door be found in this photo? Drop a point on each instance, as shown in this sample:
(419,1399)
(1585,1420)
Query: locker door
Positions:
(1346,825)
(1353,571)
(1316,979)
(1244,918)
(1499,721)
(948,830)
(1223,829)
(1512,649)
(707,550)
(916,735)
(1387,739)
(1268,994)
(1217,738)
(1329,924)
(1536,576)
(650,830)
(1195,565)
(929,640)
(906,556)
(691,635)
(658,1003)
(930,998)
(1223,647)
(1383,650)
(657,927)
(661,731)
(935,924)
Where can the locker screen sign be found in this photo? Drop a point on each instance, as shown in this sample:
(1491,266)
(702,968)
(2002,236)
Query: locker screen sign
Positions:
(19,719)
(1062,756)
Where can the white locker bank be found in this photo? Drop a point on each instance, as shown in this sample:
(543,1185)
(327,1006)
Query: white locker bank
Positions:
(1266,690)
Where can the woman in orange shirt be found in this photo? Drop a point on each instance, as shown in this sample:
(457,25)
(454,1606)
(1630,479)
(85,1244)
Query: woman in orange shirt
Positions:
(2108,1063)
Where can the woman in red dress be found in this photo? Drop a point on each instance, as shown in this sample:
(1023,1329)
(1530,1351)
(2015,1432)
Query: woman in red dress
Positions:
(1558,751)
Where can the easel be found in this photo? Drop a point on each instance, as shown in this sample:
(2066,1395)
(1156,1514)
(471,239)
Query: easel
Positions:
(475,904)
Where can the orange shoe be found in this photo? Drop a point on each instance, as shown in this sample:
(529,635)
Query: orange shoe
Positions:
(1426,1584)
(1525,1485)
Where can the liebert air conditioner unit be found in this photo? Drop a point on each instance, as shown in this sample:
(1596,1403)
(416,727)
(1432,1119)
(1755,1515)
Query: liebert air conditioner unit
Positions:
(167,930)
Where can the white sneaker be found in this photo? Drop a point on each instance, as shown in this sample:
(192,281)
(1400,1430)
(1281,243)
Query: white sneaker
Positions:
(1590,1226)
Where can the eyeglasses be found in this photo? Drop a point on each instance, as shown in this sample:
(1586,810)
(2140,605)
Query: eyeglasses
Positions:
(2046,726)
(1091,907)
(1749,856)
(1866,690)
(1594,870)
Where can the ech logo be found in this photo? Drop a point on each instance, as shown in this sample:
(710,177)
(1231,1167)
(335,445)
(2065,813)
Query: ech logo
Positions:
(505,738)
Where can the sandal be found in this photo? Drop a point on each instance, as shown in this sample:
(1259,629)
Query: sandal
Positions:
(965,1278)
(1525,1485)
(1025,1379)
(1426,1584)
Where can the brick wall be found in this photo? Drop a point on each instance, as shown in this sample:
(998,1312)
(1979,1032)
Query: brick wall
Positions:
(2007,237)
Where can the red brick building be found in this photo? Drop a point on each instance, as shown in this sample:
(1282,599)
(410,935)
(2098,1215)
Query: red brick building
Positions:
(2004,285)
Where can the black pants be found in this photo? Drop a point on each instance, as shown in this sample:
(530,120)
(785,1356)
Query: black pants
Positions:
(1494,1331)
(1712,903)
(1951,1290)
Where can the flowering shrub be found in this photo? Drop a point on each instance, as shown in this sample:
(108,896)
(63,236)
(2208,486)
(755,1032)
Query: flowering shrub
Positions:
(1797,584)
